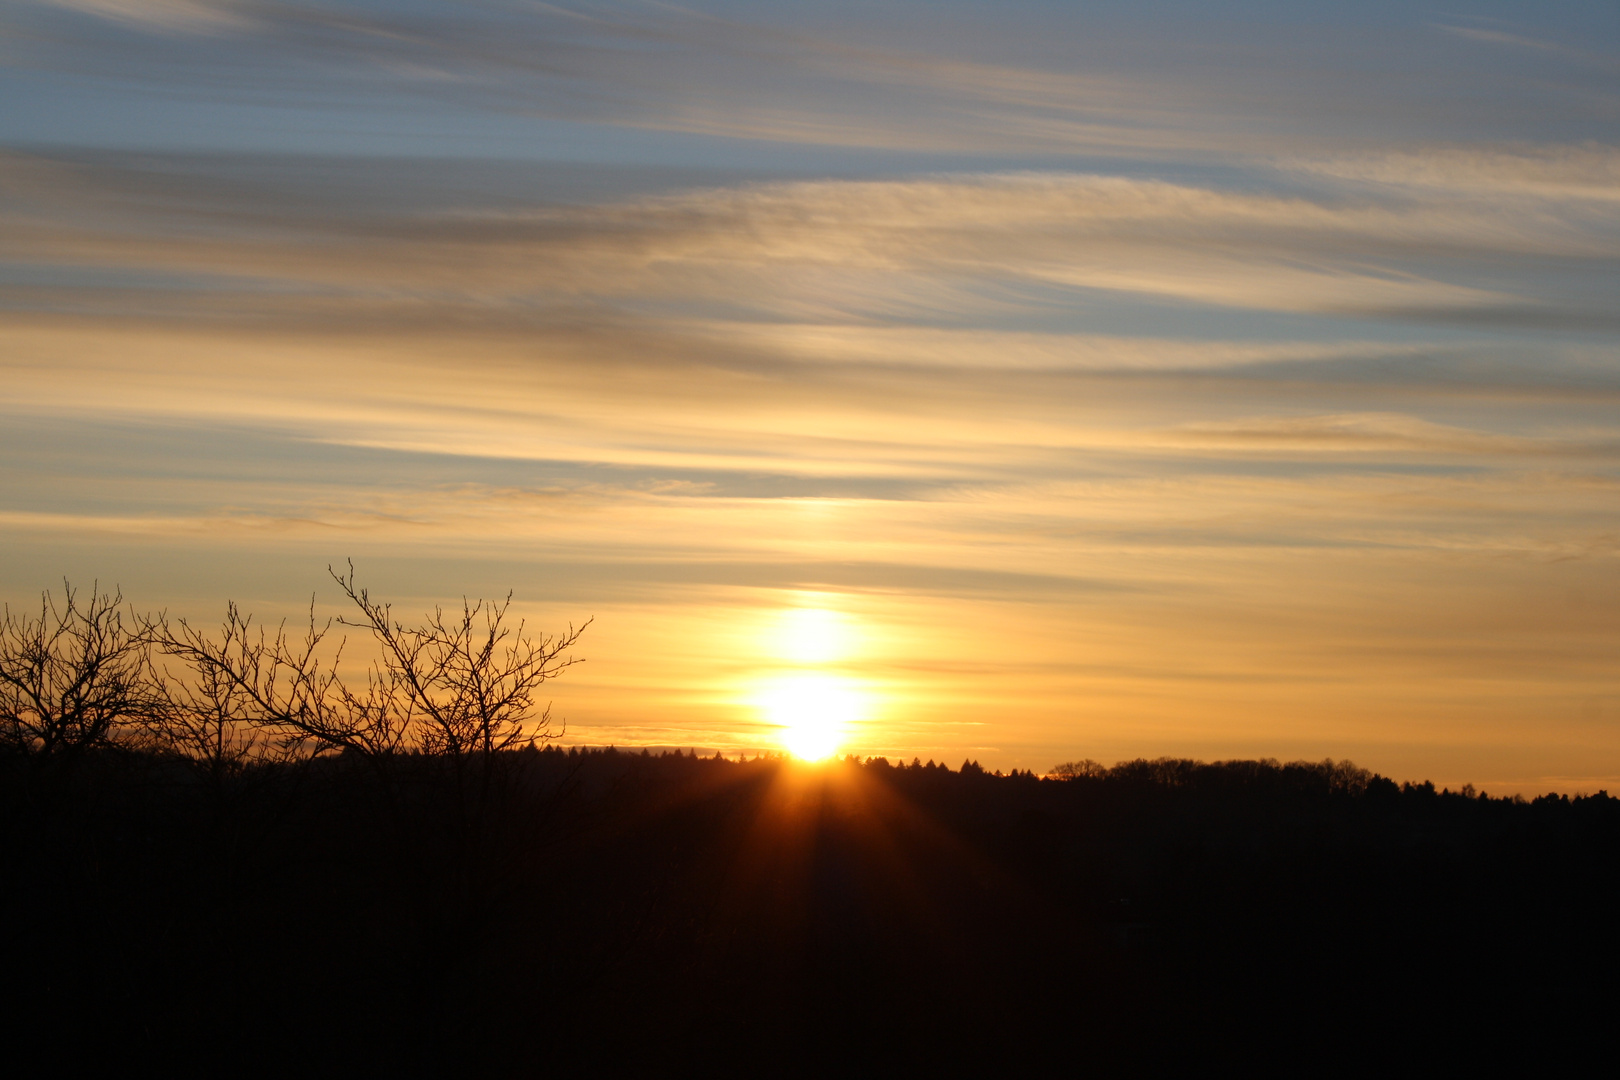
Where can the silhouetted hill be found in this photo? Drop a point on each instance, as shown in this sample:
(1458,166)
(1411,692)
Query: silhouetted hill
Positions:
(698,915)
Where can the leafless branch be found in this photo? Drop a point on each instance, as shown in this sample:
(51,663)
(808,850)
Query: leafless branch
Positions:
(70,678)
(278,683)
(467,680)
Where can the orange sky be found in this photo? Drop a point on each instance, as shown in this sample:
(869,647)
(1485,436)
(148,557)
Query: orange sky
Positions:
(959,390)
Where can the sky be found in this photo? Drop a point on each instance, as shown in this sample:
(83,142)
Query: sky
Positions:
(1021,381)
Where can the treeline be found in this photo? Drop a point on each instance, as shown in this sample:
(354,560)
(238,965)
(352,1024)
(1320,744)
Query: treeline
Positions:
(365,874)
(663,909)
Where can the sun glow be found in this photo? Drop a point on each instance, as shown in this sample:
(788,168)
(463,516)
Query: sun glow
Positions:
(804,694)
(813,635)
(814,712)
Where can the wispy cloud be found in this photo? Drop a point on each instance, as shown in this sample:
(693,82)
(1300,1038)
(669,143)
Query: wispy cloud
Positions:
(1558,175)
(914,248)
(1386,432)
(647,66)
(666,68)
(174,16)
(1485,35)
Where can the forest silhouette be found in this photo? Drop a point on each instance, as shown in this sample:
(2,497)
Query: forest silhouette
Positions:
(221,850)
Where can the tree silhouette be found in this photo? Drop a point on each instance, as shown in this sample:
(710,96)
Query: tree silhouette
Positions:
(459,688)
(1077,770)
(205,718)
(71,677)
(465,684)
(280,684)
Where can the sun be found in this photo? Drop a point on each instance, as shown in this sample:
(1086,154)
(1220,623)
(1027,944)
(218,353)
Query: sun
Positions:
(814,712)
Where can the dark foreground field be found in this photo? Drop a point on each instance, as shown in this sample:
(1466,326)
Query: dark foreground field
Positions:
(584,912)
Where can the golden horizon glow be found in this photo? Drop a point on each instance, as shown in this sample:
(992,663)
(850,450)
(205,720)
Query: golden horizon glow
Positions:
(814,712)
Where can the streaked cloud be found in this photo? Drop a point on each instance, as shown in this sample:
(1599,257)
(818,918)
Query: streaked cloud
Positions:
(1176,95)
(193,16)
(911,249)
(1488,35)
(1564,176)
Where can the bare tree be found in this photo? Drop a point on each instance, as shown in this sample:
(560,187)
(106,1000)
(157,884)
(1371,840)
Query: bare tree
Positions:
(206,719)
(461,686)
(71,678)
(467,682)
(277,684)
(465,685)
